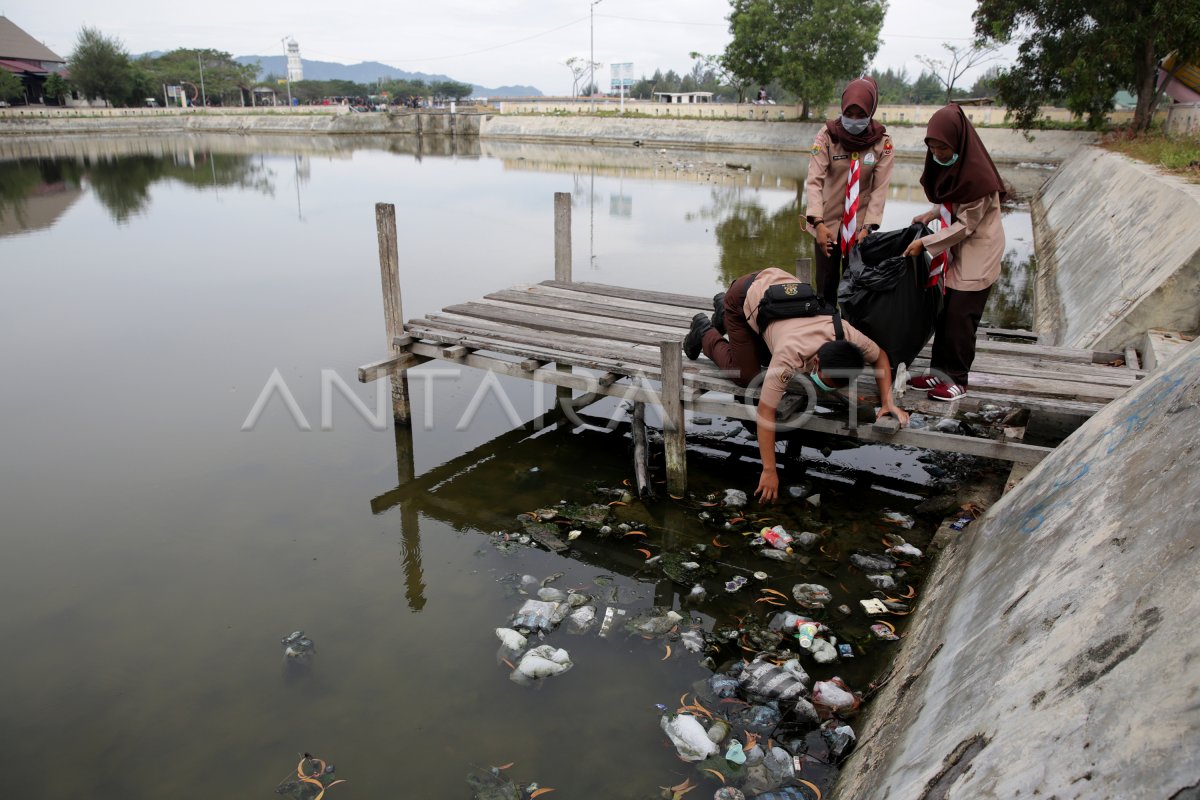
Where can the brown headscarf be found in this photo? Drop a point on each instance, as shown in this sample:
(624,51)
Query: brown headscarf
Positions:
(861,92)
(971,177)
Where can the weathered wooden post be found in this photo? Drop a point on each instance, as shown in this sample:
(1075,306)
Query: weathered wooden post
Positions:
(641,452)
(562,237)
(393,312)
(410,520)
(674,429)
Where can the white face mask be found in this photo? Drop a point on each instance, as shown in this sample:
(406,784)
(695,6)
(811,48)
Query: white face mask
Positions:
(855,126)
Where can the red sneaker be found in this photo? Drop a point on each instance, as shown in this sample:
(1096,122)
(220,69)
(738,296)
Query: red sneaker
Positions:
(947,392)
(924,381)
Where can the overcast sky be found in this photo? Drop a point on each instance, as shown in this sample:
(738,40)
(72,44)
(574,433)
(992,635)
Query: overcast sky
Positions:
(488,42)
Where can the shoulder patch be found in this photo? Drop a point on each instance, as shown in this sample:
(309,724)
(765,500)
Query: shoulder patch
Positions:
(887,145)
(815,150)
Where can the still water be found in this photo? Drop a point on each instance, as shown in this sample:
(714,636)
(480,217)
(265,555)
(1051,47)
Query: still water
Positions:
(155,552)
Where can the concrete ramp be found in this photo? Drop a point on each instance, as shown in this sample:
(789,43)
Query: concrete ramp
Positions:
(1118,251)
(1056,652)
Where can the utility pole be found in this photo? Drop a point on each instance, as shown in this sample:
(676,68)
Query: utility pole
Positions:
(203,98)
(287,74)
(592,59)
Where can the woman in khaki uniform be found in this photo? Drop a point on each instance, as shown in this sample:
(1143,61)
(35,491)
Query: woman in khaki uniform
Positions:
(848,174)
(963,183)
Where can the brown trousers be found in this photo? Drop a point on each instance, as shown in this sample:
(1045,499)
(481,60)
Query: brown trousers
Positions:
(954,333)
(741,353)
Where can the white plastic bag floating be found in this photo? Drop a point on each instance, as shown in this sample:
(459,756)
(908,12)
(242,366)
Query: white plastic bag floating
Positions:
(541,662)
(689,737)
(537,616)
(835,696)
(582,619)
(511,639)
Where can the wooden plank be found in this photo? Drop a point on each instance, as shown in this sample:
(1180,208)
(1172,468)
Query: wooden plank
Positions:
(641,452)
(1131,359)
(610,312)
(930,440)
(1047,388)
(607,300)
(1036,350)
(380,369)
(674,426)
(548,322)
(1064,371)
(669,331)
(1009,333)
(666,298)
(454,352)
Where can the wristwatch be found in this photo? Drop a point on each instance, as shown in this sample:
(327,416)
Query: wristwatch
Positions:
(814,221)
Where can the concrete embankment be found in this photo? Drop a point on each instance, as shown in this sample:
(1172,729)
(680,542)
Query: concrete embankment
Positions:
(1118,252)
(1055,652)
(795,137)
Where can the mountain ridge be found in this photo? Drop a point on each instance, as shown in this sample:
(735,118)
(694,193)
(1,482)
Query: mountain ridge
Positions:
(371,71)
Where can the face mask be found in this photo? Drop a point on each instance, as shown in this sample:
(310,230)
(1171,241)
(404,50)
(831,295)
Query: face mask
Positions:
(953,160)
(820,384)
(855,126)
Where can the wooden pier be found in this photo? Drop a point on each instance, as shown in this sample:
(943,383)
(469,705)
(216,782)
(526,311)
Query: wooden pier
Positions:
(595,340)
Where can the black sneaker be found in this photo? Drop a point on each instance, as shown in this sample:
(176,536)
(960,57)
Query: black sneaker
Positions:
(718,317)
(691,343)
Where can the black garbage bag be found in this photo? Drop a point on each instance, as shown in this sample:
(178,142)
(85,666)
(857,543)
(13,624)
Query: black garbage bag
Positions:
(883,294)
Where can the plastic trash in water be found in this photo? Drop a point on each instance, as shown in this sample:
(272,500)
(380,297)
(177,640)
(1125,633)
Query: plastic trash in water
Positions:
(823,652)
(959,524)
(511,640)
(697,594)
(653,622)
(610,614)
(806,632)
(310,773)
(872,563)
(734,754)
(839,736)
(297,647)
(735,498)
(884,631)
(905,551)
(835,696)
(737,583)
(873,607)
(811,595)
(581,619)
(777,537)
(693,641)
(845,650)
(729,793)
(761,678)
(689,737)
(898,519)
(541,662)
(882,581)
(536,616)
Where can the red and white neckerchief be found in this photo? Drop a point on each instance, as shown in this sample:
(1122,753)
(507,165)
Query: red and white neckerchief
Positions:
(941,263)
(850,215)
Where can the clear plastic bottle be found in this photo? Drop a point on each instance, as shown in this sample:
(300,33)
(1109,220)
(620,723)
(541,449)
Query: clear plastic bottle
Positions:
(778,538)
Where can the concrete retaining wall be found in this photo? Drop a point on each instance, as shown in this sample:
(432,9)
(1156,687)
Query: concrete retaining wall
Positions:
(1118,252)
(1004,145)
(317,123)
(789,137)
(1055,654)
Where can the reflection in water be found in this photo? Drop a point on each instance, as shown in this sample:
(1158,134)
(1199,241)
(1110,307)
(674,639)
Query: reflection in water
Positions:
(1010,304)
(753,238)
(34,194)
(121,184)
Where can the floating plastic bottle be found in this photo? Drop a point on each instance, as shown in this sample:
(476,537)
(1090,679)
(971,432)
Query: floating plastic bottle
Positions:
(777,537)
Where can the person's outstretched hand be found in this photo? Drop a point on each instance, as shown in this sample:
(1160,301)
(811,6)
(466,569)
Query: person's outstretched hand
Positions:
(768,487)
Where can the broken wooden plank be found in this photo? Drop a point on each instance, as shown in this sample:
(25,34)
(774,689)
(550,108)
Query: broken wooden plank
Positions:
(379,369)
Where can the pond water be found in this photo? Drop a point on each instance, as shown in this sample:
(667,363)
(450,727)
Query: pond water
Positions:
(156,552)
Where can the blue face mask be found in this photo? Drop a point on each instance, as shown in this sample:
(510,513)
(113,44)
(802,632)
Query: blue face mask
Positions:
(820,384)
(953,160)
(855,126)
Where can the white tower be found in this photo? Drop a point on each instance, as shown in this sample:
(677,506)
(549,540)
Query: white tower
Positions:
(295,68)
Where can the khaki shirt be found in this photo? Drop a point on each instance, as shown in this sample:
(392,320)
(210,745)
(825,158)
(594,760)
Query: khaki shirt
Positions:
(825,187)
(794,342)
(975,240)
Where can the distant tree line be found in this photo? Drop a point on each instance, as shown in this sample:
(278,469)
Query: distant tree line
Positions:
(396,90)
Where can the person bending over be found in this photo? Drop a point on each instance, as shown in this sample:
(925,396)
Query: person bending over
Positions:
(799,345)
